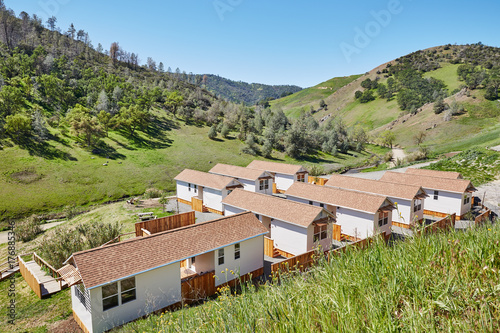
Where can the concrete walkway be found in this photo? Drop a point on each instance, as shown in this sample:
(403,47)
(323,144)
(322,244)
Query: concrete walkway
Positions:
(174,206)
(4,235)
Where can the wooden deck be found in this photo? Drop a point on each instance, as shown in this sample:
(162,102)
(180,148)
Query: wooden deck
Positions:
(43,281)
(5,274)
(48,284)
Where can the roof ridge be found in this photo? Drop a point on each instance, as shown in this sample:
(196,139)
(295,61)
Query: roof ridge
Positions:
(160,233)
(343,189)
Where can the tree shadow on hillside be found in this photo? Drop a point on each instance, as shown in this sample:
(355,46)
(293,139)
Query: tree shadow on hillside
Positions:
(106,151)
(44,149)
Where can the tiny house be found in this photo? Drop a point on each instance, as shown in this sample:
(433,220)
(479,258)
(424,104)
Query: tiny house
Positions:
(284,174)
(252,179)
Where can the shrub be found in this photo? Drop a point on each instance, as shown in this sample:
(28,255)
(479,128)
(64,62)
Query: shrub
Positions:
(212,132)
(388,156)
(316,170)
(28,229)
(152,193)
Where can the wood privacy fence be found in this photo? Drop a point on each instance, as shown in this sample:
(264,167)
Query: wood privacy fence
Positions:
(482,218)
(198,287)
(197,204)
(165,223)
(446,223)
(30,277)
(268,247)
(317,180)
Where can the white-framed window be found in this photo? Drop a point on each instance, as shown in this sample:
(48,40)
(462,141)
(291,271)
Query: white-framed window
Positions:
(436,195)
(237,251)
(417,205)
(109,296)
(127,290)
(322,205)
(195,187)
(466,199)
(264,184)
(319,232)
(189,187)
(220,256)
(301,177)
(310,202)
(383,218)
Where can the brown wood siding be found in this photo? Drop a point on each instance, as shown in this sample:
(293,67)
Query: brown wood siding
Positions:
(401,225)
(80,323)
(446,223)
(432,213)
(268,247)
(30,278)
(165,223)
(275,189)
(336,234)
(197,204)
(184,201)
(317,180)
(198,287)
(215,211)
(482,218)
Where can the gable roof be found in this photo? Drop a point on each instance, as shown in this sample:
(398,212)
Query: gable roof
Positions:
(274,207)
(435,173)
(113,262)
(287,169)
(400,191)
(205,179)
(427,182)
(238,172)
(355,200)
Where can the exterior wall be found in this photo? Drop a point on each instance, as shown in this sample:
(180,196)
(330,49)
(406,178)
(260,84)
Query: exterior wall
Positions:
(289,237)
(355,223)
(465,208)
(386,229)
(204,263)
(155,289)
(325,244)
(183,191)
(248,185)
(404,212)
(266,221)
(268,191)
(306,177)
(230,210)
(251,259)
(283,182)
(447,203)
(82,313)
(419,214)
(213,198)
(304,201)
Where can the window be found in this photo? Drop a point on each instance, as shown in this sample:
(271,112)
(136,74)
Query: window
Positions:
(221,256)
(436,195)
(322,205)
(189,187)
(301,177)
(310,202)
(128,290)
(319,232)
(229,192)
(237,251)
(417,205)
(466,199)
(195,187)
(257,216)
(109,296)
(264,184)
(383,218)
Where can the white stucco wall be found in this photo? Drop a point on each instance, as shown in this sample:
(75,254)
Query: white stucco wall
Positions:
(283,182)
(386,229)
(80,310)
(264,191)
(404,211)
(447,202)
(289,237)
(204,263)
(155,290)
(248,185)
(355,223)
(251,259)
(183,191)
(465,208)
(324,243)
(213,198)
(230,210)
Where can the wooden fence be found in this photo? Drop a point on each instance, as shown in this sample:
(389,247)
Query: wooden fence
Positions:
(445,223)
(336,232)
(268,247)
(197,204)
(198,287)
(482,218)
(30,277)
(165,223)
(317,180)
(43,264)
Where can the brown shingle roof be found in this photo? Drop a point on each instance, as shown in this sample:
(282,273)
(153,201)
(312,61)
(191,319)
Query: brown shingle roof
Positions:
(392,190)
(113,262)
(360,201)
(435,173)
(427,182)
(204,179)
(274,207)
(287,169)
(238,172)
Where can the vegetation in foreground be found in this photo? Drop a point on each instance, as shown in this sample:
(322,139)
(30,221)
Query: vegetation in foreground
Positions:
(444,282)
(478,165)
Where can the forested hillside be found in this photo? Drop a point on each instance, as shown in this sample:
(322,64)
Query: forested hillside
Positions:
(242,92)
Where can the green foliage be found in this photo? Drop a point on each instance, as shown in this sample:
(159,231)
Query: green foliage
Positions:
(387,138)
(152,193)
(17,125)
(133,118)
(212,132)
(28,229)
(84,124)
(367,96)
(358,94)
(440,106)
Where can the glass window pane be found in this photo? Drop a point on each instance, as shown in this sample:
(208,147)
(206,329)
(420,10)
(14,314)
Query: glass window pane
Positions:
(110,289)
(128,296)
(110,302)
(128,283)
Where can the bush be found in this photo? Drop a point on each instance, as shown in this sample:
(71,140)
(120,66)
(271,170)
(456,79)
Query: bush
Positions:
(152,193)
(358,94)
(388,156)
(212,132)
(316,170)
(28,229)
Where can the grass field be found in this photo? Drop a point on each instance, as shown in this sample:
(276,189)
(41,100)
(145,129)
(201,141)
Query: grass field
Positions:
(448,282)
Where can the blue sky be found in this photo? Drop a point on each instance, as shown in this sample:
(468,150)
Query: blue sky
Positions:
(274,41)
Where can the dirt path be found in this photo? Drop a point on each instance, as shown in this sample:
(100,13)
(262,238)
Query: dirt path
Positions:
(397,153)
(4,234)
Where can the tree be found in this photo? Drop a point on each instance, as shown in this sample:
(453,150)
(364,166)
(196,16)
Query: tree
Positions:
(267,149)
(419,138)
(51,23)
(105,119)
(133,118)
(440,106)
(38,123)
(212,132)
(250,146)
(161,67)
(322,104)
(113,52)
(17,125)
(387,138)
(358,94)
(102,103)
(71,31)
(151,64)
(173,101)
(367,96)
(225,130)
(84,124)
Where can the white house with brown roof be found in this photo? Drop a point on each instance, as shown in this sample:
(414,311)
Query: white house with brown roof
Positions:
(435,173)
(124,281)
(284,174)
(204,191)
(360,215)
(446,195)
(295,227)
(252,179)
(408,199)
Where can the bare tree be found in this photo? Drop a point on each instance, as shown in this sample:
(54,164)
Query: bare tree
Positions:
(114,51)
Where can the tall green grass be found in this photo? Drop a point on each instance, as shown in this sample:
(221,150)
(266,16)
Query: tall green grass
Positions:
(435,283)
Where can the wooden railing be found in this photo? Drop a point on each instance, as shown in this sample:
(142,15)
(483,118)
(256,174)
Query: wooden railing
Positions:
(268,247)
(165,223)
(483,217)
(198,287)
(30,277)
(43,264)
(445,223)
(317,180)
(118,238)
